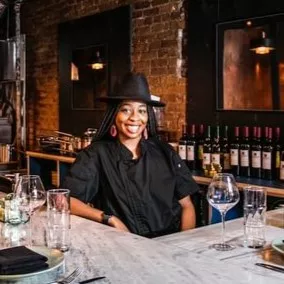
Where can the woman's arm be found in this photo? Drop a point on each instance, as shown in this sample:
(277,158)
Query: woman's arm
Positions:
(83,210)
(187,214)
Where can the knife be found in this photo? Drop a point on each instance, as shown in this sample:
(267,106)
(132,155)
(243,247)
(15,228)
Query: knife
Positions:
(91,280)
(269,266)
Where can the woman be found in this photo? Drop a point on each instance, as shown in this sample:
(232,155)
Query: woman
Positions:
(134,181)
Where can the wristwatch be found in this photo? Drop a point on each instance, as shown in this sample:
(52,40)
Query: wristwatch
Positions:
(106,218)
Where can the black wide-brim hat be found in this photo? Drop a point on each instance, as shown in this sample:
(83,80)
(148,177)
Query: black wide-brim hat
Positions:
(134,86)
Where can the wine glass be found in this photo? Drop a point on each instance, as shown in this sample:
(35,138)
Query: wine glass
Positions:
(223,194)
(30,194)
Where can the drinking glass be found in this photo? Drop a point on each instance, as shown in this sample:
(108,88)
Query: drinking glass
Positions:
(30,194)
(58,215)
(223,194)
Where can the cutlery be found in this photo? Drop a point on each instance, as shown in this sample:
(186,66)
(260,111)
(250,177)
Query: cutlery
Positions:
(91,280)
(269,266)
(68,279)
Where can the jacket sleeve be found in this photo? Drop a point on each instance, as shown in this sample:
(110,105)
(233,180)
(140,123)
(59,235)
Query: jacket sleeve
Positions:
(185,184)
(83,178)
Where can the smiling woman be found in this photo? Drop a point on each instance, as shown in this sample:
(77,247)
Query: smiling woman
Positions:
(134,181)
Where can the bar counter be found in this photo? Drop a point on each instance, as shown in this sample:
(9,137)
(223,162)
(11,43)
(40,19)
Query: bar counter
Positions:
(178,258)
(275,189)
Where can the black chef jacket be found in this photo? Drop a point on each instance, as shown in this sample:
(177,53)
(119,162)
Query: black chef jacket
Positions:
(142,193)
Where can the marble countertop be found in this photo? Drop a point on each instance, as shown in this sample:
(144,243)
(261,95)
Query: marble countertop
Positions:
(178,258)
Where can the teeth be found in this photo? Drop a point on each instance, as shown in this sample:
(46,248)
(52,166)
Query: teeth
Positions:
(132,128)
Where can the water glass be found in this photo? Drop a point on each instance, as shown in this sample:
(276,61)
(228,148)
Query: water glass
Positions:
(254,216)
(58,214)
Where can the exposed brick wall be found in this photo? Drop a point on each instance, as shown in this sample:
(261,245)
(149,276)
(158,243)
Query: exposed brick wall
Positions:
(156,51)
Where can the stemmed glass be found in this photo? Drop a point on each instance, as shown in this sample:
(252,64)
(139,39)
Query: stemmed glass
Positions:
(30,194)
(223,194)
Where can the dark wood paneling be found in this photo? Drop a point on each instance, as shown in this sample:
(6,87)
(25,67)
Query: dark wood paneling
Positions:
(112,28)
(202,17)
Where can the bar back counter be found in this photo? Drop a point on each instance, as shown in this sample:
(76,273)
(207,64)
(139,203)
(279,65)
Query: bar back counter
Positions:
(53,167)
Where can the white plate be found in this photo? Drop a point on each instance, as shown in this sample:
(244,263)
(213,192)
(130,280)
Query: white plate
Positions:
(55,259)
(278,245)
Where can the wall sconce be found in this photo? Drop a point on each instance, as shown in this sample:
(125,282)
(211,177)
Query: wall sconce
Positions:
(97,62)
(74,72)
(263,45)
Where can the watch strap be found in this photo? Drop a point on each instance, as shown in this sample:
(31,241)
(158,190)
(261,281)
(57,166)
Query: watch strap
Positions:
(106,218)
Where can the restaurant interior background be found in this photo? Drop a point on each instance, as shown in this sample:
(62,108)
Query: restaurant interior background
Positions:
(172,42)
(181,46)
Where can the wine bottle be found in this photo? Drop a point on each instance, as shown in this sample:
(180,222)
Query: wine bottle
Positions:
(245,153)
(277,154)
(182,143)
(191,149)
(256,153)
(207,147)
(267,150)
(225,151)
(234,152)
(216,149)
(200,144)
(281,170)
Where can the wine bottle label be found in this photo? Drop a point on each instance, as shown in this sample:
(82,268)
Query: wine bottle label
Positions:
(256,159)
(234,155)
(266,160)
(244,158)
(182,151)
(282,170)
(216,158)
(200,152)
(277,159)
(206,158)
(226,161)
(190,152)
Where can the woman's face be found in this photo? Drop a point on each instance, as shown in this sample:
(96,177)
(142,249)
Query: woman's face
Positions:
(131,119)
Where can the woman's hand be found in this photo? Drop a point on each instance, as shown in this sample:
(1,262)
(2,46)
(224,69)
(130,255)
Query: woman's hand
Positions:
(117,223)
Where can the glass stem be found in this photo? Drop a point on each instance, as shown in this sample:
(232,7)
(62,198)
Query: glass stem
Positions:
(223,226)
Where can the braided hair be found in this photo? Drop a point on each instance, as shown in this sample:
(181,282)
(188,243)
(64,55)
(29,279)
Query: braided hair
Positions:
(103,132)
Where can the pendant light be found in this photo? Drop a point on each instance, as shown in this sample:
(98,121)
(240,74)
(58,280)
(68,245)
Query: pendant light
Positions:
(97,63)
(262,45)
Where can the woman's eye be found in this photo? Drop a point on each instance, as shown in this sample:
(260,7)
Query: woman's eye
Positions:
(125,110)
(143,111)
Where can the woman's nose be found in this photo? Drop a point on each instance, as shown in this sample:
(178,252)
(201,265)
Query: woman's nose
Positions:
(134,115)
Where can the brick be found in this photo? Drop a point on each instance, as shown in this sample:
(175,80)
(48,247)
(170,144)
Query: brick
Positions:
(154,52)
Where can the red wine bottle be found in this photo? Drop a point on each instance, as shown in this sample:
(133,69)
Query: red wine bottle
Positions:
(245,153)
(191,149)
(267,152)
(182,143)
(207,147)
(234,152)
(200,144)
(216,149)
(281,170)
(277,154)
(256,153)
(225,151)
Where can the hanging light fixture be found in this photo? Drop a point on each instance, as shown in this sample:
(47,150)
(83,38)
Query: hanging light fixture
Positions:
(262,45)
(97,62)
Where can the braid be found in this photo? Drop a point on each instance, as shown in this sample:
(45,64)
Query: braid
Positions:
(103,132)
(152,123)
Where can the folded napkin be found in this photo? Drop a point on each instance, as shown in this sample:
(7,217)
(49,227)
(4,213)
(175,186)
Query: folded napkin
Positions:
(20,260)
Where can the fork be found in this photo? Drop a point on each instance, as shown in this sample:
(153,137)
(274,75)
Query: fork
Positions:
(68,279)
